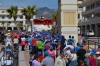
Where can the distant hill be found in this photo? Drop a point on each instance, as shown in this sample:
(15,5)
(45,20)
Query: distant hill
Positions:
(45,12)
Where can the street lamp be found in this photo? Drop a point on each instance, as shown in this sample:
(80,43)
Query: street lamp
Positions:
(59,16)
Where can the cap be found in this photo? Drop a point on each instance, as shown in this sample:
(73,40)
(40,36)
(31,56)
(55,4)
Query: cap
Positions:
(98,45)
(92,53)
(81,45)
(88,51)
(51,47)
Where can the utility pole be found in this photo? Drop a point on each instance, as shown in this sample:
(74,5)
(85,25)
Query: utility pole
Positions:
(59,16)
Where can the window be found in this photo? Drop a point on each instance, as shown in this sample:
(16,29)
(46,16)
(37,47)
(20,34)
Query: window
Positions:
(3,17)
(21,17)
(78,16)
(3,11)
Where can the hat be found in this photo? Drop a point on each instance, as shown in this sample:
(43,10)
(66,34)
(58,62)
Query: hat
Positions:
(98,45)
(88,51)
(81,45)
(92,53)
(51,47)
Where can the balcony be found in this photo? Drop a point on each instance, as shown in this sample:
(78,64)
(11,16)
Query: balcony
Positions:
(90,21)
(8,13)
(91,11)
(88,2)
(79,2)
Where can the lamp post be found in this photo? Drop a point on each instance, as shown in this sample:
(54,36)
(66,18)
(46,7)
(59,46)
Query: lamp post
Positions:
(59,16)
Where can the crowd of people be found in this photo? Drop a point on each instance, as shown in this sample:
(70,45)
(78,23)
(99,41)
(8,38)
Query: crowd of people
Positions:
(51,49)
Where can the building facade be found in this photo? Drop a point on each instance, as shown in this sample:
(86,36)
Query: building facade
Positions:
(90,17)
(8,23)
(69,21)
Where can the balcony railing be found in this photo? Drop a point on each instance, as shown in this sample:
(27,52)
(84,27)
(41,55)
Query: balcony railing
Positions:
(87,2)
(8,13)
(90,21)
(91,11)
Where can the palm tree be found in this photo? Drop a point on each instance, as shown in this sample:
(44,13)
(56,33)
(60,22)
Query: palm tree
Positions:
(19,25)
(3,25)
(55,17)
(29,12)
(13,10)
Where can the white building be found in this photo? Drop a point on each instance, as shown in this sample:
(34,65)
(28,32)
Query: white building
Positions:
(8,23)
(91,17)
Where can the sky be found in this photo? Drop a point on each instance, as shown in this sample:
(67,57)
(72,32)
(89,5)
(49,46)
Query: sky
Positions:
(53,4)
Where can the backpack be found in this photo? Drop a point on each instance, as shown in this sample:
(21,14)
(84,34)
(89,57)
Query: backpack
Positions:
(6,60)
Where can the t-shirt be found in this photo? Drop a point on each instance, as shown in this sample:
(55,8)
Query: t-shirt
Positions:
(40,43)
(34,41)
(23,39)
(35,63)
(15,40)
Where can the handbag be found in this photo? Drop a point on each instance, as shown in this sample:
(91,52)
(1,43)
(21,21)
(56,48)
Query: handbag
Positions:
(5,64)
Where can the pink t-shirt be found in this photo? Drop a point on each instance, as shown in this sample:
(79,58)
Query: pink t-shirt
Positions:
(92,61)
(99,49)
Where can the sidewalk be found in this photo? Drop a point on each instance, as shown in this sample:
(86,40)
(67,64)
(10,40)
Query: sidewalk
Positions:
(1,53)
(23,58)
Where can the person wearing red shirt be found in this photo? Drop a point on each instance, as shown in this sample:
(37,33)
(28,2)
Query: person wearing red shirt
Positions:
(34,45)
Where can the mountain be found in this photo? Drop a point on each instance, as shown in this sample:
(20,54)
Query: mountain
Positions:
(44,12)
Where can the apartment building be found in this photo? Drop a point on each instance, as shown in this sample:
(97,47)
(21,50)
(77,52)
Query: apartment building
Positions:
(90,17)
(8,23)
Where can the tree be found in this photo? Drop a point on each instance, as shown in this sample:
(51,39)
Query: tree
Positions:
(55,17)
(3,25)
(29,12)
(19,25)
(13,10)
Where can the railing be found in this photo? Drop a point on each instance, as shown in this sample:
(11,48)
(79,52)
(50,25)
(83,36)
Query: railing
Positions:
(92,42)
(91,11)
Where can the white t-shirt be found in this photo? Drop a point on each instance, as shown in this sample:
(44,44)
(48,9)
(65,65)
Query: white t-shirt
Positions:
(36,63)
(74,57)
(72,47)
(16,40)
(23,39)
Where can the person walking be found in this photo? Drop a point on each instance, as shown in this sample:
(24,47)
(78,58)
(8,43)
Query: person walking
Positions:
(7,60)
(73,59)
(23,42)
(15,41)
(36,62)
(34,45)
(48,60)
(81,54)
(40,45)
(98,59)
(60,61)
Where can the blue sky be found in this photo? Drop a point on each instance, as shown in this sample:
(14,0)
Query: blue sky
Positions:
(23,3)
